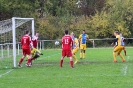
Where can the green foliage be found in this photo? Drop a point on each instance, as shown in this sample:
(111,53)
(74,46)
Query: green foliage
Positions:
(100,18)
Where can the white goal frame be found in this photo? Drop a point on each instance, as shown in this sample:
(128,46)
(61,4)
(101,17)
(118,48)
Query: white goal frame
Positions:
(14,35)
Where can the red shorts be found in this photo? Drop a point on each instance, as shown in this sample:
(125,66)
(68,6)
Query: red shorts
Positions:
(66,53)
(26,51)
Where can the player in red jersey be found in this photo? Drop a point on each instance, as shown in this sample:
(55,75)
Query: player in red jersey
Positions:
(67,44)
(35,40)
(26,46)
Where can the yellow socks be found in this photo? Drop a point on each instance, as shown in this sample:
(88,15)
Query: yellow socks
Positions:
(81,55)
(114,55)
(122,57)
(75,58)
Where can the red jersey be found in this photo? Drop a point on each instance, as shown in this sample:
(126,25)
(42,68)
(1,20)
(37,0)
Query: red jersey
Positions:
(35,41)
(67,42)
(25,41)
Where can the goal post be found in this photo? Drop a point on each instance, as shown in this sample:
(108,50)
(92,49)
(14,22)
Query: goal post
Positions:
(14,26)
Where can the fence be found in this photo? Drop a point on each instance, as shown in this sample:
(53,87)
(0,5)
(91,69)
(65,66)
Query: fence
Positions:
(6,48)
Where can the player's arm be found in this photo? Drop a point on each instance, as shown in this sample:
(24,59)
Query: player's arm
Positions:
(80,38)
(38,51)
(115,40)
(62,43)
(21,42)
(72,42)
(77,43)
(33,38)
(31,43)
(89,39)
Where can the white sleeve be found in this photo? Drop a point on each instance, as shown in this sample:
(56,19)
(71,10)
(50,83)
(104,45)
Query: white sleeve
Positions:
(33,38)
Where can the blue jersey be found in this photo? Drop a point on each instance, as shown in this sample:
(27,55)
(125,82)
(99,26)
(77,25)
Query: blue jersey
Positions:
(83,38)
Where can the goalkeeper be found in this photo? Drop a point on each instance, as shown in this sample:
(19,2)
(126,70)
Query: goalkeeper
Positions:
(35,53)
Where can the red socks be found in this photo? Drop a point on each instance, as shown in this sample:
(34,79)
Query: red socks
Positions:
(71,64)
(29,60)
(21,60)
(61,62)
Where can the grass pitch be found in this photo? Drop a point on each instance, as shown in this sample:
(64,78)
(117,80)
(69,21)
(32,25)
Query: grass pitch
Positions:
(97,70)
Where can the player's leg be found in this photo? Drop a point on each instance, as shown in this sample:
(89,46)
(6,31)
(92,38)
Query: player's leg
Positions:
(81,51)
(22,58)
(84,49)
(71,62)
(69,54)
(125,51)
(62,58)
(74,56)
(28,52)
(114,53)
(119,52)
(61,61)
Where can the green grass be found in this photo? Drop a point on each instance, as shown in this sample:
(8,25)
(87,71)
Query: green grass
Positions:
(97,70)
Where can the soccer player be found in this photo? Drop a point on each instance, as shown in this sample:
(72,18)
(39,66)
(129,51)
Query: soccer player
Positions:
(123,43)
(118,47)
(35,54)
(26,46)
(35,40)
(75,47)
(82,38)
(67,44)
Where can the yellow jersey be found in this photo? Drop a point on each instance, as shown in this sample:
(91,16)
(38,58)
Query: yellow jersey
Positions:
(76,43)
(34,51)
(118,43)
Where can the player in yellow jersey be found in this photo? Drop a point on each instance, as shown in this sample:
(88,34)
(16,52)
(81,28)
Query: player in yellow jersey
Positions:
(82,38)
(75,47)
(118,47)
(35,54)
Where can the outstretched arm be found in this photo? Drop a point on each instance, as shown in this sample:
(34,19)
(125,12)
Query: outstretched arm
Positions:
(90,41)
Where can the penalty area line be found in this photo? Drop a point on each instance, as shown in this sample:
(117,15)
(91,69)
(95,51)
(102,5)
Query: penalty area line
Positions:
(6,73)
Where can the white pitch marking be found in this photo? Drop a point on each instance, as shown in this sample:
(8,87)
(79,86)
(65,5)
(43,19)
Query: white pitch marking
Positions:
(125,70)
(91,75)
(6,73)
(51,55)
(126,67)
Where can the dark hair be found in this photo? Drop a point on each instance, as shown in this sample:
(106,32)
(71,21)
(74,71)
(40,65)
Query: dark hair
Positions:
(116,32)
(27,31)
(66,32)
(84,30)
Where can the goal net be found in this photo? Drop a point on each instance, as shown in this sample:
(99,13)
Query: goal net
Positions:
(11,31)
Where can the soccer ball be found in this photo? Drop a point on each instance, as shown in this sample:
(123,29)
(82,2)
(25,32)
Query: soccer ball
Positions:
(57,42)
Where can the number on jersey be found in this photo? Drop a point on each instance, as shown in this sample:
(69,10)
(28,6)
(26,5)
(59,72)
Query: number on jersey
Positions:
(66,41)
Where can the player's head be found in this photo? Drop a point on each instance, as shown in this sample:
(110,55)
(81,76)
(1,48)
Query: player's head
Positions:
(27,32)
(83,31)
(121,34)
(116,33)
(72,34)
(37,34)
(66,32)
